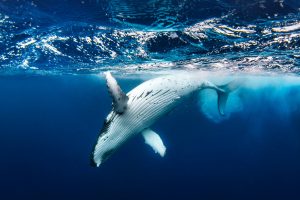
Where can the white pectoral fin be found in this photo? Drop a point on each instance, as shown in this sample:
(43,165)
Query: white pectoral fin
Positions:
(153,140)
(119,98)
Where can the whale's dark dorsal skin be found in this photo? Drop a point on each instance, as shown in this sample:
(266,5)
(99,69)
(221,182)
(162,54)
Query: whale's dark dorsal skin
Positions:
(136,111)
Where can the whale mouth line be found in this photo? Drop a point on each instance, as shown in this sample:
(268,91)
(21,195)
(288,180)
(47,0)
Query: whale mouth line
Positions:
(107,154)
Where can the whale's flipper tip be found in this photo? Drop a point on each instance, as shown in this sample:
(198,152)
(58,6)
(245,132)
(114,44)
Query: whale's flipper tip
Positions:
(223,93)
(222,99)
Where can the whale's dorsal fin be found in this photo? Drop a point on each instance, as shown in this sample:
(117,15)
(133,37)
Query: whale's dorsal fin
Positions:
(119,98)
(153,140)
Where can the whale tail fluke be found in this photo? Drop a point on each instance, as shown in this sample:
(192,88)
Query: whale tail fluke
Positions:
(223,91)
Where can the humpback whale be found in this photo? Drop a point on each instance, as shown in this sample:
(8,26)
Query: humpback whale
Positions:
(135,112)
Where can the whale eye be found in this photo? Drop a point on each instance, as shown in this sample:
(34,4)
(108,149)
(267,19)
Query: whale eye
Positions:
(105,138)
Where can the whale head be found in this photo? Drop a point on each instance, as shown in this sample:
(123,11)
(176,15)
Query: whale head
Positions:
(109,140)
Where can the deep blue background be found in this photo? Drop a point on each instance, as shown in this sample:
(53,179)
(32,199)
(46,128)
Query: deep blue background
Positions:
(48,125)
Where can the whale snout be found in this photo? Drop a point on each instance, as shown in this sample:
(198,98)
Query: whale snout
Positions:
(93,162)
(96,161)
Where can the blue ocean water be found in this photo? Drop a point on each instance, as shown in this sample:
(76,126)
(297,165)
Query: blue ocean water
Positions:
(54,98)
